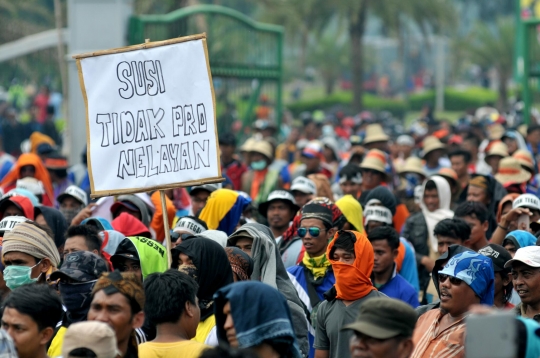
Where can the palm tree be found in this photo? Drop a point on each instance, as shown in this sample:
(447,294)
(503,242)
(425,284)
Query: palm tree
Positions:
(493,47)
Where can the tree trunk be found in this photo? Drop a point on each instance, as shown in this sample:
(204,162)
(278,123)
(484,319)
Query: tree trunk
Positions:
(356,33)
(304,37)
(329,83)
(503,91)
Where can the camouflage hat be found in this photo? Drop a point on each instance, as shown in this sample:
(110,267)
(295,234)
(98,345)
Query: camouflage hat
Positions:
(81,266)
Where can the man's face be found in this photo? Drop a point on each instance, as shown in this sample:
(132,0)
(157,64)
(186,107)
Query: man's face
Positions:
(526,280)
(493,161)
(245,244)
(301,198)
(477,194)
(431,199)
(74,244)
(227,151)
(127,265)
(344,256)
(456,299)
(511,248)
(114,310)
(384,256)
(279,214)
(27,171)
(478,229)
(198,200)
(371,179)
(312,164)
(363,346)
(501,280)
(230,331)
(15,258)
(315,245)
(444,241)
(70,203)
(534,137)
(12,210)
(349,188)
(459,165)
(28,338)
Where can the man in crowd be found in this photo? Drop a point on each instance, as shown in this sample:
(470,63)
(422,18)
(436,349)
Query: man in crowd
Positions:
(199,196)
(118,299)
(460,160)
(279,210)
(460,287)
(476,216)
(231,166)
(29,315)
(71,202)
(82,238)
(187,226)
(385,242)
(351,256)
(384,328)
(350,180)
(140,256)
(172,305)
(503,279)
(29,254)
(526,279)
(303,190)
(449,232)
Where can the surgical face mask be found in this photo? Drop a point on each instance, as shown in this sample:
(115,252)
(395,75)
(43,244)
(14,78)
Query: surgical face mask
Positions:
(77,298)
(17,276)
(69,214)
(258,165)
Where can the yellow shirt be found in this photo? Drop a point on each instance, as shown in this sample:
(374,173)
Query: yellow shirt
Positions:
(182,349)
(55,350)
(204,328)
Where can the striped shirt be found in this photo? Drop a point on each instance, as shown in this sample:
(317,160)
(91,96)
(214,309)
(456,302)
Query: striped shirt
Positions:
(430,343)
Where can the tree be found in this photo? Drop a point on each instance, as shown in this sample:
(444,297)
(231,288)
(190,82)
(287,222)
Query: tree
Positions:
(493,47)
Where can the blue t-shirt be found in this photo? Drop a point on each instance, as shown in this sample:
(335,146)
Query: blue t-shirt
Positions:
(400,289)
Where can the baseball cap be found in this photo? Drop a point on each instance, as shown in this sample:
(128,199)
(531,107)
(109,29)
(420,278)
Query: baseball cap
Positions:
(527,201)
(190,225)
(75,192)
(278,195)
(96,336)
(208,187)
(8,223)
(31,184)
(498,255)
(313,150)
(384,318)
(304,185)
(81,266)
(127,250)
(529,255)
(377,213)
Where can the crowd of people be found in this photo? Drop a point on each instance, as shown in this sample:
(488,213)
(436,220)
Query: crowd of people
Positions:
(345,239)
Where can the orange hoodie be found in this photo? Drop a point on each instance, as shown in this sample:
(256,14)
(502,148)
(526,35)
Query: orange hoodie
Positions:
(157,219)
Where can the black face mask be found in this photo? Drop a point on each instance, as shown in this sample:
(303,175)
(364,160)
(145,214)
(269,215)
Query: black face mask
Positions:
(77,298)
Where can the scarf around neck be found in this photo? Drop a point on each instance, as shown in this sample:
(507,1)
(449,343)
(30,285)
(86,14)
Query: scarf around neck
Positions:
(317,265)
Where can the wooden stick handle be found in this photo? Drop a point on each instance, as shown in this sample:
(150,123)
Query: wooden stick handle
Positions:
(168,244)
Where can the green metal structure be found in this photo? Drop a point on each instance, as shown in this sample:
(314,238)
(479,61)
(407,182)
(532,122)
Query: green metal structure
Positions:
(530,80)
(246,57)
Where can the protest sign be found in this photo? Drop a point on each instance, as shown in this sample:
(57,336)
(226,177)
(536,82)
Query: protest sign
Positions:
(150,115)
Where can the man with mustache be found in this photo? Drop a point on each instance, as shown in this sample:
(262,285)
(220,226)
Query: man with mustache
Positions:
(467,279)
(526,278)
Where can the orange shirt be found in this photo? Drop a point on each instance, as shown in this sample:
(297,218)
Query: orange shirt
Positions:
(430,342)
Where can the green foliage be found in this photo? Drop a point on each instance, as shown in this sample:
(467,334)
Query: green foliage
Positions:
(454,99)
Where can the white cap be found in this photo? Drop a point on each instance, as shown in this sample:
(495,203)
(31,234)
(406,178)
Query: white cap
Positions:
(75,192)
(377,213)
(529,255)
(32,185)
(187,224)
(278,195)
(305,185)
(8,223)
(208,187)
(527,201)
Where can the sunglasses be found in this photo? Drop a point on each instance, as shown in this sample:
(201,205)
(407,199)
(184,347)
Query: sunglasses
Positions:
(453,280)
(313,231)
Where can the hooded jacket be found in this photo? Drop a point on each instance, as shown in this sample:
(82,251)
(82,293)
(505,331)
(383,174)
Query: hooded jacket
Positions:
(140,204)
(520,238)
(129,225)
(151,254)
(55,221)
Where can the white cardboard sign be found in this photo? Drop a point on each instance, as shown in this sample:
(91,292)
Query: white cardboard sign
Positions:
(150,116)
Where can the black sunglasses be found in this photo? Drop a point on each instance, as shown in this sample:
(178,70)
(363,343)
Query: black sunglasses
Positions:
(453,280)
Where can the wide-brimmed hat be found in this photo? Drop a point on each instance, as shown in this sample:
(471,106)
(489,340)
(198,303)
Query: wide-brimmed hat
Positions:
(497,148)
(375,133)
(375,160)
(448,173)
(525,158)
(264,148)
(431,144)
(413,165)
(248,144)
(511,172)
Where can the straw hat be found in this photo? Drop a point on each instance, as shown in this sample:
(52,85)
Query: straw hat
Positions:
(430,144)
(375,160)
(448,173)
(511,172)
(413,165)
(497,148)
(248,144)
(525,158)
(264,148)
(496,131)
(375,133)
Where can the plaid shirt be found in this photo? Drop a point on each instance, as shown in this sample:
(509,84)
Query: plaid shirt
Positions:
(431,343)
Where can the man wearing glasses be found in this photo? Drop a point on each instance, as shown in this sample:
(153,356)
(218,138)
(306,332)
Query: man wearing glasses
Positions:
(467,279)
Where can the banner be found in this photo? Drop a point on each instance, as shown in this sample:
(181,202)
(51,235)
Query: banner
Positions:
(150,115)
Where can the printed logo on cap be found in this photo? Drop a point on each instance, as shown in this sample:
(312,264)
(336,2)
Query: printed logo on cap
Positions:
(8,223)
(527,200)
(488,251)
(378,213)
